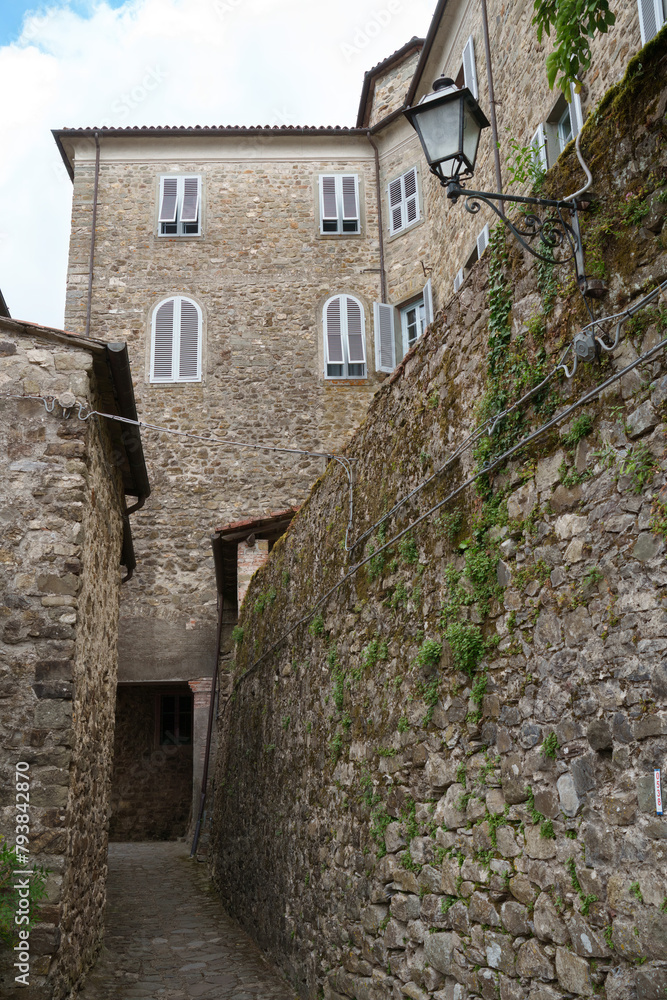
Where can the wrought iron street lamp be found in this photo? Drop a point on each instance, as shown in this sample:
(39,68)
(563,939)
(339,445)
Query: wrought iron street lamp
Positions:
(449,123)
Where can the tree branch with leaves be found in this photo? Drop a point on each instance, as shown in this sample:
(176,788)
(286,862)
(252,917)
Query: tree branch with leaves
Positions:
(575,24)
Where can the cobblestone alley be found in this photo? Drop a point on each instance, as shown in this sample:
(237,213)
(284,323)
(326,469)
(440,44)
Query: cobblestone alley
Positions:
(168,937)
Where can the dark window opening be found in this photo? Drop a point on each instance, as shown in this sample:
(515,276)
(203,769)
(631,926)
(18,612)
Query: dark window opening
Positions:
(175,719)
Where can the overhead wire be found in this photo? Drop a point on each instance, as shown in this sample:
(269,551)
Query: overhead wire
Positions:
(489,467)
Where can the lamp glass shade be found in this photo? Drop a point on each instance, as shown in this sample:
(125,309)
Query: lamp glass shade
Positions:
(449,123)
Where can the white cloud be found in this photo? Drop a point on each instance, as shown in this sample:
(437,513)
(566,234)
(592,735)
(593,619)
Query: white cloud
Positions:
(166,62)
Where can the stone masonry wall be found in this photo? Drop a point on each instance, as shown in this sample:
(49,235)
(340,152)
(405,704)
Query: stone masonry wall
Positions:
(59,585)
(261,273)
(390,88)
(437,782)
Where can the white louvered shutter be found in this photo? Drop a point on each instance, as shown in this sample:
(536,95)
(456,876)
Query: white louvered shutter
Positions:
(428,303)
(328,204)
(385,349)
(539,147)
(482,241)
(163,342)
(334,338)
(458,280)
(576,113)
(469,67)
(350,197)
(191,197)
(411,196)
(189,349)
(355,333)
(169,199)
(651,18)
(396,205)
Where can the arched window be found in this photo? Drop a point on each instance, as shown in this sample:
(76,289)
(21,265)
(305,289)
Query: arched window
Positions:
(176,341)
(344,338)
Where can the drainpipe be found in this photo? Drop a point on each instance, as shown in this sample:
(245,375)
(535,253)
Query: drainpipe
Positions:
(383,276)
(217,557)
(492,103)
(92,234)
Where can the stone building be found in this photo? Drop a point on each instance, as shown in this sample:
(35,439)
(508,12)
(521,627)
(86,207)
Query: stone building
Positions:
(65,535)
(266,280)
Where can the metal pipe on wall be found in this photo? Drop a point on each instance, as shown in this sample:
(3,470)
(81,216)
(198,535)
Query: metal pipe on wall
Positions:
(492,102)
(383,276)
(92,233)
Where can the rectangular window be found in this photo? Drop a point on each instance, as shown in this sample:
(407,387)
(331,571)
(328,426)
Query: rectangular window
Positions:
(651,18)
(403,201)
(344,338)
(175,719)
(413,323)
(339,203)
(180,205)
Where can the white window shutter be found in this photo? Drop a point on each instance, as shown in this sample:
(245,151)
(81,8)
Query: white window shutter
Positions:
(385,349)
(651,18)
(539,146)
(169,199)
(411,196)
(189,342)
(328,203)
(191,198)
(355,333)
(458,280)
(482,241)
(350,196)
(469,67)
(163,342)
(334,337)
(428,303)
(576,113)
(396,205)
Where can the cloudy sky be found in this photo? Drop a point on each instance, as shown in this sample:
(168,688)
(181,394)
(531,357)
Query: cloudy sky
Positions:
(162,62)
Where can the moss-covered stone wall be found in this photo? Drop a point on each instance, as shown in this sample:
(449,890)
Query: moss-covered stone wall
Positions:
(436,769)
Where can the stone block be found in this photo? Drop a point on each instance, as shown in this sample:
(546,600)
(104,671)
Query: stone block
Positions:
(439,951)
(586,941)
(439,773)
(405,907)
(641,420)
(50,714)
(512,780)
(547,473)
(482,911)
(599,735)
(514,919)
(372,917)
(499,952)
(574,973)
(522,890)
(651,983)
(647,546)
(453,817)
(533,961)
(396,934)
(548,924)
(583,774)
(567,793)
(621,808)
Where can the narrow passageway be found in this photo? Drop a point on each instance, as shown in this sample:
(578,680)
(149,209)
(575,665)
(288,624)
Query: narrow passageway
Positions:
(168,937)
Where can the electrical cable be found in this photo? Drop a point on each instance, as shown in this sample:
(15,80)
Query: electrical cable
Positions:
(489,467)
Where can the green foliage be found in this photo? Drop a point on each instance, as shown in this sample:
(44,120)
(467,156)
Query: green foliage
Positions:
(10,862)
(285,578)
(607,932)
(658,522)
(271,595)
(582,426)
(467,645)
(408,550)
(447,903)
(636,892)
(479,690)
(430,693)
(403,724)
(586,902)
(429,654)
(374,651)
(550,746)
(335,748)
(523,164)
(285,721)
(546,282)
(237,634)
(316,627)
(387,751)
(640,466)
(575,24)
(260,604)
(380,820)
(409,818)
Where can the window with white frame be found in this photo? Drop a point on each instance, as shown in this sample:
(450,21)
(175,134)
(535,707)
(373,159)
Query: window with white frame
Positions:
(403,194)
(180,205)
(344,337)
(397,329)
(176,341)
(339,203)
(652,16)
(552,136)
(481,243)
